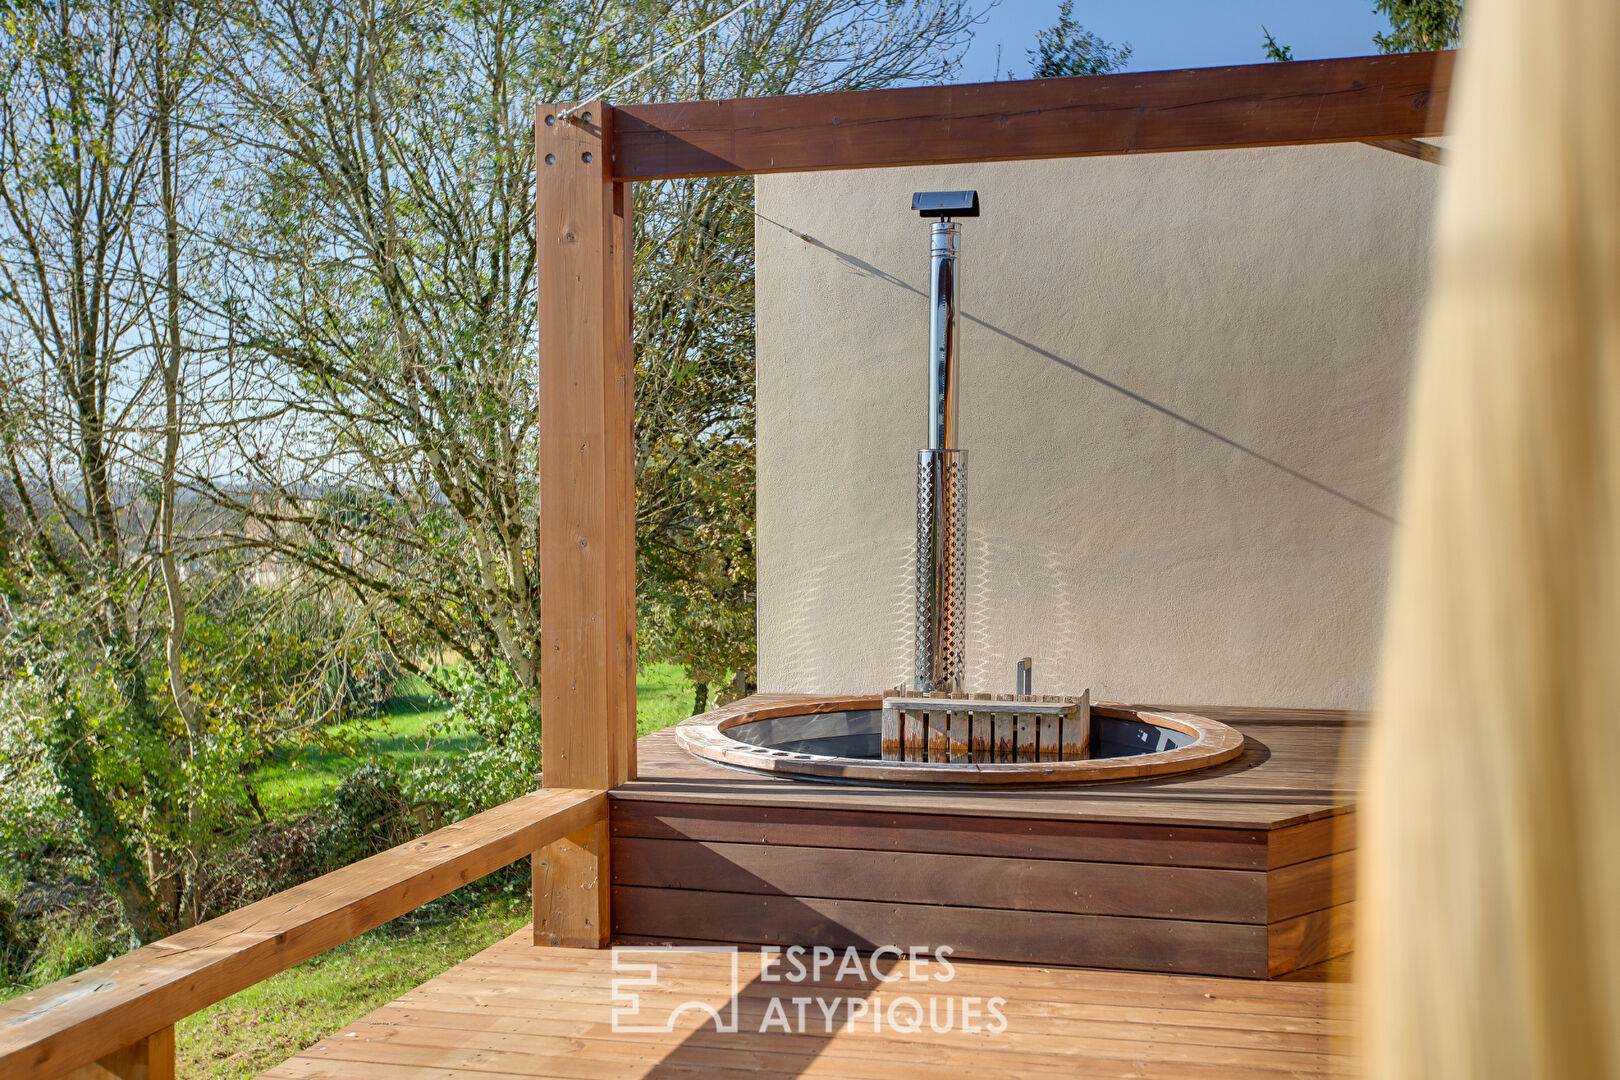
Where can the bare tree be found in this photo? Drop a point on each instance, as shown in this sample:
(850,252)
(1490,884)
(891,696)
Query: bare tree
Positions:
(384,297)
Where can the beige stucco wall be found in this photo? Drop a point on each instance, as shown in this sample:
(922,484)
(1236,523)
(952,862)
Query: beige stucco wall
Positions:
(1183,386)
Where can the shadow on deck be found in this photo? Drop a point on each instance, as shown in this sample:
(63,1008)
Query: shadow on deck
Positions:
(519,1010)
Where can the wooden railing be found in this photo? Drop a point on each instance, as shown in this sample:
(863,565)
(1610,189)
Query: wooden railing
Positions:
(117,1019)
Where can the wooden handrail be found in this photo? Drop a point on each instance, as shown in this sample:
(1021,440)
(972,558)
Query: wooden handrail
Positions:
(112,1006)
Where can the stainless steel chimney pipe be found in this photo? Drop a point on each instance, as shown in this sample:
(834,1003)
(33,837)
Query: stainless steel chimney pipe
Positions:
(941,468)
(942,251)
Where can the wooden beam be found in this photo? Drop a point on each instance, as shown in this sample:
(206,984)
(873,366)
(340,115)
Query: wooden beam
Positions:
(150,1059)
(587,453)
(1413,148)
(1348,100)
(94,1015)
(573,873)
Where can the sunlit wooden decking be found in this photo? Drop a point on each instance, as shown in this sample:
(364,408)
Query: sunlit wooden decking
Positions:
(518,1010)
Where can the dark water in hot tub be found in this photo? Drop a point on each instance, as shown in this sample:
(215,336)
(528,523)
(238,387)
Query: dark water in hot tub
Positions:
(858,734)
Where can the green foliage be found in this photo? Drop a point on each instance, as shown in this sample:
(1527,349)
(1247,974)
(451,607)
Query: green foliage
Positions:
(1274,51)
(501,762)
(369,814)
(70,942)
(1067,48)
(1419,25)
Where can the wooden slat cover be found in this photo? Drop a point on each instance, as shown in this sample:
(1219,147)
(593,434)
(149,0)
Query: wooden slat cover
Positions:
(1358,98)
(79,1019)
(1010,884)
(514,1010)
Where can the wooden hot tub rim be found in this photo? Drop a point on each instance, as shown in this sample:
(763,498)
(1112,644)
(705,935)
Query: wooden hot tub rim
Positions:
(704,736)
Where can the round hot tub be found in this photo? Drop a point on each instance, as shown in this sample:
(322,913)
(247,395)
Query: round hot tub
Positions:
(839,739)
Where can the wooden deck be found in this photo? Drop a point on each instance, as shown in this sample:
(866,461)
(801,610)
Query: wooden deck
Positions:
(518,1010)
(1243,869)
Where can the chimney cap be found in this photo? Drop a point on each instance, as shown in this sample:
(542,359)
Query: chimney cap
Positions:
(945,204)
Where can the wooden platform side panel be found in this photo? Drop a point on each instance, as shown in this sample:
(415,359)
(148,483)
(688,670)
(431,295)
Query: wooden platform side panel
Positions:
(1311,840)
(1004,887)
(1310,939)
(1069,841)
(1167,945)
(1303,887)
(586,446)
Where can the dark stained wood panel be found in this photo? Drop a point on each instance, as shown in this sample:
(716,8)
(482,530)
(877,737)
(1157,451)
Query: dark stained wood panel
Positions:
(1026,838)
(1311,938)
(1311,839)
(1205,948)
(1014,885)
(1318,101)
(1310,886)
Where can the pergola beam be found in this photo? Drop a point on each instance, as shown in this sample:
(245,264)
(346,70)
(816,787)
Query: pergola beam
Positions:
(585,159)
(1320,101)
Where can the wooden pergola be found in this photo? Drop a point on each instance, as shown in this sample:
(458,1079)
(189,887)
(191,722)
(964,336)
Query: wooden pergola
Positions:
(587,155)
(117,1018)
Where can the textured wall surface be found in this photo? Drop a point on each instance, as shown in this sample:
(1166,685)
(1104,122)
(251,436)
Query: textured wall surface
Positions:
(1183,393)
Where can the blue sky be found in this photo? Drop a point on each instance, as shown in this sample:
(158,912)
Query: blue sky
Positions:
(1179,33)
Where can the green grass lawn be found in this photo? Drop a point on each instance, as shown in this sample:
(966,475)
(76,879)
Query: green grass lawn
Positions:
(409,732)
(268,1023)
(663,697)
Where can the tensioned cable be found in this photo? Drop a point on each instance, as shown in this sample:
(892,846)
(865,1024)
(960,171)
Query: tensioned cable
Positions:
(566,113)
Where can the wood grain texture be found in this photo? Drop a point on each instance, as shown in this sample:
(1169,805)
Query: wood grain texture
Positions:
(586,447)
(570,889)
(1304,887)
(1005,886)
(1319,101)
(152,1058)
(515,1010)
(78,1020)
(1037,937)
(1021,838)
(1412,148)
(1311,938)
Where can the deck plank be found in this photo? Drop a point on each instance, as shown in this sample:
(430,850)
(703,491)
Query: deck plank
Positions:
(520,1010)
(1295,768)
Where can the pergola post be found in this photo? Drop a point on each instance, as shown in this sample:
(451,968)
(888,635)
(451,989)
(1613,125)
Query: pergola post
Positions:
(587,501)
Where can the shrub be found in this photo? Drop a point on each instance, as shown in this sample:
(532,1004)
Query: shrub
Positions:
(370,814)
(504,764)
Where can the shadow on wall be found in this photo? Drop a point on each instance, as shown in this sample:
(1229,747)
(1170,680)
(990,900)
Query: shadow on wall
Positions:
(866,269)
